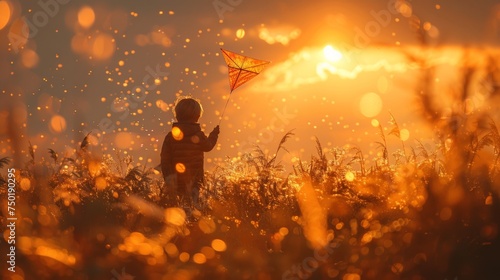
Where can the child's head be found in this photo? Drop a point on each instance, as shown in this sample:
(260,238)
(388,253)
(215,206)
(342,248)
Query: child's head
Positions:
(187,109)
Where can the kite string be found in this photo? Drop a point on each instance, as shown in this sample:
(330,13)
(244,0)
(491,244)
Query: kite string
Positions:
(223,111)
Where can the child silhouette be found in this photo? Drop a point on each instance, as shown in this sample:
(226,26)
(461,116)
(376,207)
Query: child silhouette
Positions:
(182,152)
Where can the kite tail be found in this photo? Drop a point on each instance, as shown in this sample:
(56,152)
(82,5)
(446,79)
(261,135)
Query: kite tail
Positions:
(223,111)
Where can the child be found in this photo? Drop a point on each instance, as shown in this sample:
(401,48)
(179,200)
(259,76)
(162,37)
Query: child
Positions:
(182,151)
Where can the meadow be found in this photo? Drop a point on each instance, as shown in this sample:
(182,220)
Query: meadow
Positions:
(410,213)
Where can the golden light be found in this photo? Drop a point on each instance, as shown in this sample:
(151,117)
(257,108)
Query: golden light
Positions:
(58,124)
(284,231)
(404,134)
(177,133)
(404,8)
(103,46)
(86,17)
(4,14)
(206,225)
(123,140)
(282,35)
(332,54)
(175,216)
(370,105)
(199,258)
(184,257)
(29,58)
(94,168)
(240,33)
(179,167)
(208,252)
(219,245)
(171,250)
(100,183)
(25,184)
(349,176)
(80,43)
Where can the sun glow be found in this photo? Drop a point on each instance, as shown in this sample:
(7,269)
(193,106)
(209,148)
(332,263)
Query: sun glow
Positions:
(332,54)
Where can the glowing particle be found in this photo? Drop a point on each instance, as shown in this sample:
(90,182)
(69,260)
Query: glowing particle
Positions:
(199,258)
(349,176)
(25,184)
(208,252)
(284,231)
(240,33)
(86,17)
(100,183)
(206,225)
(179,167)
(103,46)
(177,133)
(29,58)
(219,245)
(171,249)
(58,124)
(4,13)
(123,140)
(370,105)
(404,134)
(175,216)
(184,257)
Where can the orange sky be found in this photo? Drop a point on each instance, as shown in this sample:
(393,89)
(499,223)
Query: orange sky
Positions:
(338,68)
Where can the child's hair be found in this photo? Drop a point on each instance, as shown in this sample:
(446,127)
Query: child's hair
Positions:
(187,109)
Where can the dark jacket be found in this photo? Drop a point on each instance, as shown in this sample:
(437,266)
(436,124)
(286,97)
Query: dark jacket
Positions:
(182,154)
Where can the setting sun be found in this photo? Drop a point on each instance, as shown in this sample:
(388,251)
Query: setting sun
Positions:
(332,54)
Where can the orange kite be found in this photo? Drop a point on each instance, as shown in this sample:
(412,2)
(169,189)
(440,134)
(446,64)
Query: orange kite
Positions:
(241,69)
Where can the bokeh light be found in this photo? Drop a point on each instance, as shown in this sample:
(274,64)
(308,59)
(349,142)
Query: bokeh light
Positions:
(86,17)
(175,216)
(219,245)
(57,124)
(123,140)
(103,46)
(370,105)
(5,13)
(240,33)
(180,167)
(177,133)
(29,58)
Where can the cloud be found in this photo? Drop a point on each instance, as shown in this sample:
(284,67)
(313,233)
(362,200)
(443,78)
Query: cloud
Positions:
(279,34)
(310,66)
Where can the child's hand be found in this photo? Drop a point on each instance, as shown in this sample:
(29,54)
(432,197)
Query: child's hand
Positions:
(216,130)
